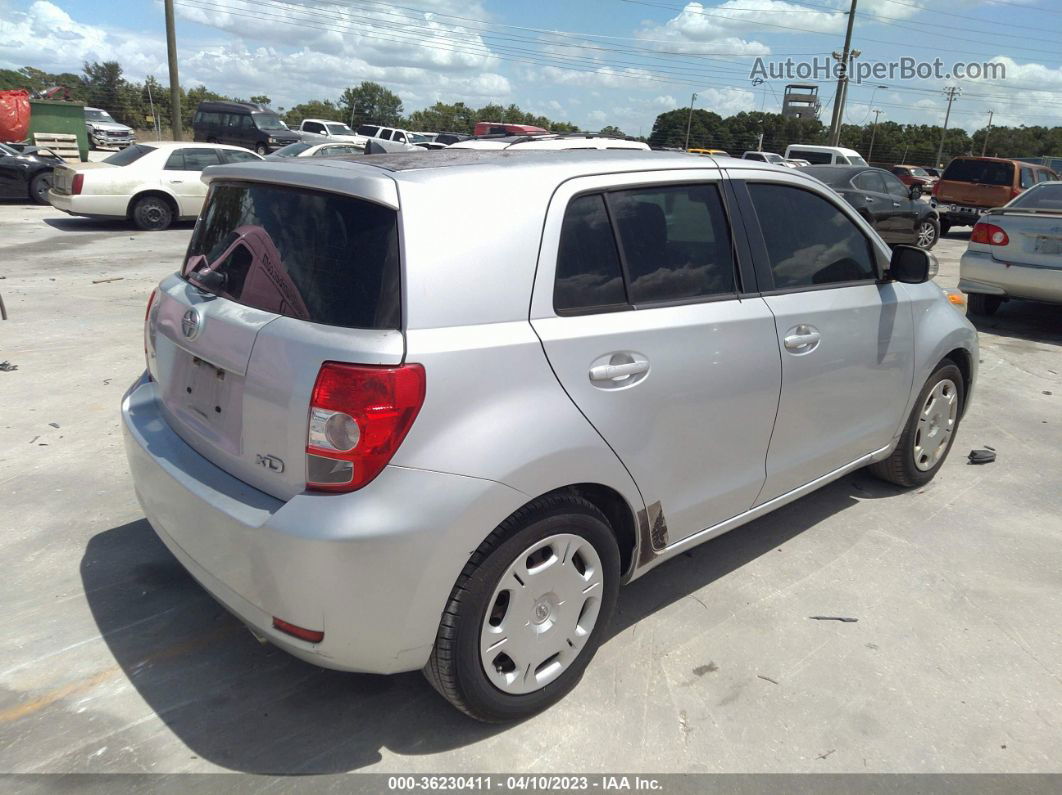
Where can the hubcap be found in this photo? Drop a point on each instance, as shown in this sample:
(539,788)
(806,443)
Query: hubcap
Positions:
(935,425)
(926,233)
(541,614)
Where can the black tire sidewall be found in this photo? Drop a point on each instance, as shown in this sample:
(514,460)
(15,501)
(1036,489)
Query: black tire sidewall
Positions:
(261,149)
(917,476)
(484,698)
(34,183)
(142,204)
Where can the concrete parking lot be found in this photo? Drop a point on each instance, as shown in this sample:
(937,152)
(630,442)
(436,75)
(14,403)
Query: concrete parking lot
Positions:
(115,660)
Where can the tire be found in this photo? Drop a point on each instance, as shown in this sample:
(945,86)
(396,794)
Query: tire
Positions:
(927,233)
(922,450)
(261,149)
(981,304)
(558,533)
(38,187)
(945,227)
(152,213)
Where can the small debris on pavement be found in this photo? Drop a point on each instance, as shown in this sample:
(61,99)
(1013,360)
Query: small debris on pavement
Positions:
(823,756)
(7,367)
(54,424)
(104,281)
(701,670)
(1048,392)
(845,619)
(767,679)
(981,456)
(35,438)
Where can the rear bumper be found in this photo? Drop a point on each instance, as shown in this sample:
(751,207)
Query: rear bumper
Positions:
(95,206)
(980,272)
(955,215)
(372,569)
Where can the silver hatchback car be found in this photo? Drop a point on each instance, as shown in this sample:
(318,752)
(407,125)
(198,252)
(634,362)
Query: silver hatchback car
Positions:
(430,411)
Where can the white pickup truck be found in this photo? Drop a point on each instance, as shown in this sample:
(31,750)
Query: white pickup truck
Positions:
(332,130)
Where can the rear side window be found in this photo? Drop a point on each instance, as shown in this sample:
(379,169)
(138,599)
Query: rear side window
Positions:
(675,242)
(304,254)
(588,266)
(192,159)
(812,157)
(870,181)
(1027,179)
(312,126)
(367,129)
(810,242)
(985,172)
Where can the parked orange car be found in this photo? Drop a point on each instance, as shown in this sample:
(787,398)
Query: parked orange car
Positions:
(970,186)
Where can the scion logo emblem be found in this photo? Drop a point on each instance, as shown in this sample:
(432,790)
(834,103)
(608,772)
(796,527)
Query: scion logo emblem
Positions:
(191,324)
(270,462)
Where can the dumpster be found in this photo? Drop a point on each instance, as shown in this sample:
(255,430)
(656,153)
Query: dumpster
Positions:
(51,116)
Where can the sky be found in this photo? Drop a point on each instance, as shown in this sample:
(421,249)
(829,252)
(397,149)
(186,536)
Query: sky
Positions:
(591,62)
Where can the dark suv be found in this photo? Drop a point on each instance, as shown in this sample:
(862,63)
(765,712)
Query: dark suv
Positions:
(256,127)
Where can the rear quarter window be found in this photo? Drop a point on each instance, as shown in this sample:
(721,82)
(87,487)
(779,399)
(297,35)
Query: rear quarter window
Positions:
(305,254)
(129,155)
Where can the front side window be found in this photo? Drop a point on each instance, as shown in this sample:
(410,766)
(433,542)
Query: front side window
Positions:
(268,121)
(589,275)
(810,241)
(676,243)
(340,129)
(895,187)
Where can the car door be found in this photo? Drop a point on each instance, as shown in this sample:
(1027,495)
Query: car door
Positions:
(641,315)
(181,176)
(874,202)
(12,177)
(844,336)
(904,209)
(314,127)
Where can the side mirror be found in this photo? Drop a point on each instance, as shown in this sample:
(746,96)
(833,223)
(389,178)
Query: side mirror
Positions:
(915,192)
(911,265)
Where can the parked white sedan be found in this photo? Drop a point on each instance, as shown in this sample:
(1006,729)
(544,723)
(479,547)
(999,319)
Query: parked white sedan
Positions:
(154,184)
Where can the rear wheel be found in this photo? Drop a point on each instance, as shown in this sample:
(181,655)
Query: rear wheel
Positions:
(39,187)
(930,430)
(152,214)
(981,304)
(945,227)
(926,234)
(528,612)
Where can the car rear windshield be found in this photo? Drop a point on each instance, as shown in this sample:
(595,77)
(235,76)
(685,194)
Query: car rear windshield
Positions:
(128,155)
(983,172)
(1043,197)
(300,253)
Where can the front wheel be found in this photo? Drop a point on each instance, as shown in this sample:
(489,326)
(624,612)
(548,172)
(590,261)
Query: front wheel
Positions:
(261,149)
(930,430)
(528,611)
(926,234)
(152,214)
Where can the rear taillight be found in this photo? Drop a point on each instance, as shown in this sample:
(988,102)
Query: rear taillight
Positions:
(936,188)
(359,416)
(77,184)
(989,234)
(1014,192)
(149,334)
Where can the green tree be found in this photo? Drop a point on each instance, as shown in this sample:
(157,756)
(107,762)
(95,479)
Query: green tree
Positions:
(614,132)
(314,109)
(261,99)
(370,102)
(106,88)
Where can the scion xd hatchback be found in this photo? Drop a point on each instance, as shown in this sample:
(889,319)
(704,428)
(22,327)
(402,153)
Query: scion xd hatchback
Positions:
(390,433)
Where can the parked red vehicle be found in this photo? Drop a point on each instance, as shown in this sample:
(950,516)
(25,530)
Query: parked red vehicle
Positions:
(499,128)
(914,175)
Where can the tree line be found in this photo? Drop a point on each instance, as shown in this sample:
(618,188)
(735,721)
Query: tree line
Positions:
(140,104)
(892,142)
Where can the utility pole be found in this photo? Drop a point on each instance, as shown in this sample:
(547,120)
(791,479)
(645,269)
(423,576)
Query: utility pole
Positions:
(842,79)
(175,83)
(952,92)
(873,132)
(988,131)
(759,143)
(689,120)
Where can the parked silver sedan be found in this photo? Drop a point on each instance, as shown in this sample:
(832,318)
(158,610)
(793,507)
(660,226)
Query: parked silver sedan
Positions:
(392,433)
(1015,251)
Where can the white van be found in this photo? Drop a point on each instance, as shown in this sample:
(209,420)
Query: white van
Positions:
(825,155)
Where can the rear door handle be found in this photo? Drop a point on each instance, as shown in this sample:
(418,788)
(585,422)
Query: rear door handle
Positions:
(616,372)
(801,339)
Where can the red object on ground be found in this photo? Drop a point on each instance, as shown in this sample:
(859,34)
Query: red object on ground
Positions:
(14,115)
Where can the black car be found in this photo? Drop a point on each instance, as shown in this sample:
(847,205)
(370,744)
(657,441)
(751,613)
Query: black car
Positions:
(26,173)
(246,124)
(893,209)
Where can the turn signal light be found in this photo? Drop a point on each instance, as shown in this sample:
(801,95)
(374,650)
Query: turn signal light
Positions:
(989,234)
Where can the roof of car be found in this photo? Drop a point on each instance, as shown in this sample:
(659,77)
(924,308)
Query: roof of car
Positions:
(578,160)
(187,145)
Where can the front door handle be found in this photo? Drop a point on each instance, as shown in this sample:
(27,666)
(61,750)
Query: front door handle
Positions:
(617,372)
(176,181)
(802,339)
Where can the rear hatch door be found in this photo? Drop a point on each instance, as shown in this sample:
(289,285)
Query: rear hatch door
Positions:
(277,281)
(976,183)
